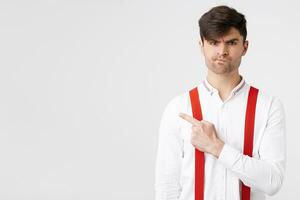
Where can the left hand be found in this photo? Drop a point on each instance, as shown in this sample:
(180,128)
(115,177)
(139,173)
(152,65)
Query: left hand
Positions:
(204,136)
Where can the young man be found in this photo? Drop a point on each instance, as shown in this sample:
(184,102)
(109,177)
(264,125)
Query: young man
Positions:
(223,139)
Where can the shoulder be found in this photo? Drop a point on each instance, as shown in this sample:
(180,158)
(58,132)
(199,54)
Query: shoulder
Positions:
(180,102)
(270,103)
(268,98)
(177,103)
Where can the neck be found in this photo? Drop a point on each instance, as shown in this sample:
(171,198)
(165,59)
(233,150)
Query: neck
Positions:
(224,83)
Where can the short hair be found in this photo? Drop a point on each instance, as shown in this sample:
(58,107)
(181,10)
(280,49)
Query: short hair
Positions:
(219,20)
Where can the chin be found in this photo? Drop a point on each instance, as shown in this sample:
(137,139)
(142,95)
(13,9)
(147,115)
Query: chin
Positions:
(221,69)
(220,72)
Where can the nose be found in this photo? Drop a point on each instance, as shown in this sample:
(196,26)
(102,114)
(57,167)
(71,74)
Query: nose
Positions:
(222,50)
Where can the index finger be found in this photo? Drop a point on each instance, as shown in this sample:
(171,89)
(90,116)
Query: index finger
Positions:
(189,119)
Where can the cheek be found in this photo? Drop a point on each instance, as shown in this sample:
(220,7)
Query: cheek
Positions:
(209,54)
(237,52)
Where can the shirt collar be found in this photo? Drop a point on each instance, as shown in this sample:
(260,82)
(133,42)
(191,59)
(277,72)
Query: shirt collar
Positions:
(234,91)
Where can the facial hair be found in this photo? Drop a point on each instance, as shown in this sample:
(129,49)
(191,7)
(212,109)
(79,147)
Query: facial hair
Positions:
(221,65)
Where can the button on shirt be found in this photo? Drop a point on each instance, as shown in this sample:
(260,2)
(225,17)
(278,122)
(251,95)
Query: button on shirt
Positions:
(263,173)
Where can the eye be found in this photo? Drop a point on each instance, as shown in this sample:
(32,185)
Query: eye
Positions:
(212,42)
(232,43)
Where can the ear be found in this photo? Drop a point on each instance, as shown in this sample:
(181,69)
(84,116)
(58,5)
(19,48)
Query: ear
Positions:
(246,44)
(201,45)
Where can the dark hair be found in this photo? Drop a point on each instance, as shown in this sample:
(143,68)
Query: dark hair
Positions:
(217,21)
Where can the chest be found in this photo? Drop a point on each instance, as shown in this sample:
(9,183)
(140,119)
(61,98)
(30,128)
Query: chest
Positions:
(229,121)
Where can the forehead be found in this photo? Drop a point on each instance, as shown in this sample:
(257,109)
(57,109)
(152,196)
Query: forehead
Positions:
(232,33)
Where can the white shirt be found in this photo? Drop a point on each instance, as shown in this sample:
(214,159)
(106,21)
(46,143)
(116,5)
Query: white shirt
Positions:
(175,162)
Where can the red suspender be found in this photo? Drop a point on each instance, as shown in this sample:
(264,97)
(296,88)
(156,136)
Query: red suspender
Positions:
(199,155)
(249,132)
(248,140)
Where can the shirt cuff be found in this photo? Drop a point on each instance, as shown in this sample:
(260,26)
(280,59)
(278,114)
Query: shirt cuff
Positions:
(228,156)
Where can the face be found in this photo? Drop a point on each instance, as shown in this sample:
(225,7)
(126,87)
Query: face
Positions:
(224,55)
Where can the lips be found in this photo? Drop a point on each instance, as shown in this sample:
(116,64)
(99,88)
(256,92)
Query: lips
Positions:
(221,60)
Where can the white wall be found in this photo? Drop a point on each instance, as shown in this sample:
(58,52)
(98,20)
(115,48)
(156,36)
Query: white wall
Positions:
(83,85)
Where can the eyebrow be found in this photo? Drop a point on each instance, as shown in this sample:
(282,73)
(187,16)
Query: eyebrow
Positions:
(231,40)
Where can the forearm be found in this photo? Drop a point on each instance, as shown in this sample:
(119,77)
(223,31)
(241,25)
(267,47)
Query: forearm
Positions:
(264,175)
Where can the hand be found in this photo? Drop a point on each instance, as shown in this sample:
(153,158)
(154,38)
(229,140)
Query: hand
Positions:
(204,136)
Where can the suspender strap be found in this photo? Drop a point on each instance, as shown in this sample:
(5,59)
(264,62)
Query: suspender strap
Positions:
(199,155)
(249,132)
(248,140)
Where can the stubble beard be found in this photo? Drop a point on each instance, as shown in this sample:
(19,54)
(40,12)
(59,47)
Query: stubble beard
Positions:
(224,68)
(221,69)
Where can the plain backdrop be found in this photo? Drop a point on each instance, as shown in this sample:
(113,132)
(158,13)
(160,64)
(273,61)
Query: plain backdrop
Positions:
(83,85)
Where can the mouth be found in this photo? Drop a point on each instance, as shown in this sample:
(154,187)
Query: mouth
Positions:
(221,60)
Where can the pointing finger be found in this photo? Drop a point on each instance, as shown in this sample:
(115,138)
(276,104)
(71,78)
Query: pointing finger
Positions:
(190,119)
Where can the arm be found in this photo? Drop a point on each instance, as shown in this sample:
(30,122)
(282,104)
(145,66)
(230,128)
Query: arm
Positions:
(169,155)
(267,172)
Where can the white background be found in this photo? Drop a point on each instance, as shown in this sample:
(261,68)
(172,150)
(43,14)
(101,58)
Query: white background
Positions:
(83,85)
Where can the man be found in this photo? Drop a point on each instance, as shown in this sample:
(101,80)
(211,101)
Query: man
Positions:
(223,132)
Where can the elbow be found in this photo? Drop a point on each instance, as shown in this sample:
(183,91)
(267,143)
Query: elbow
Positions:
(275,183)
(167,188)
(273,189)
(166,192)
